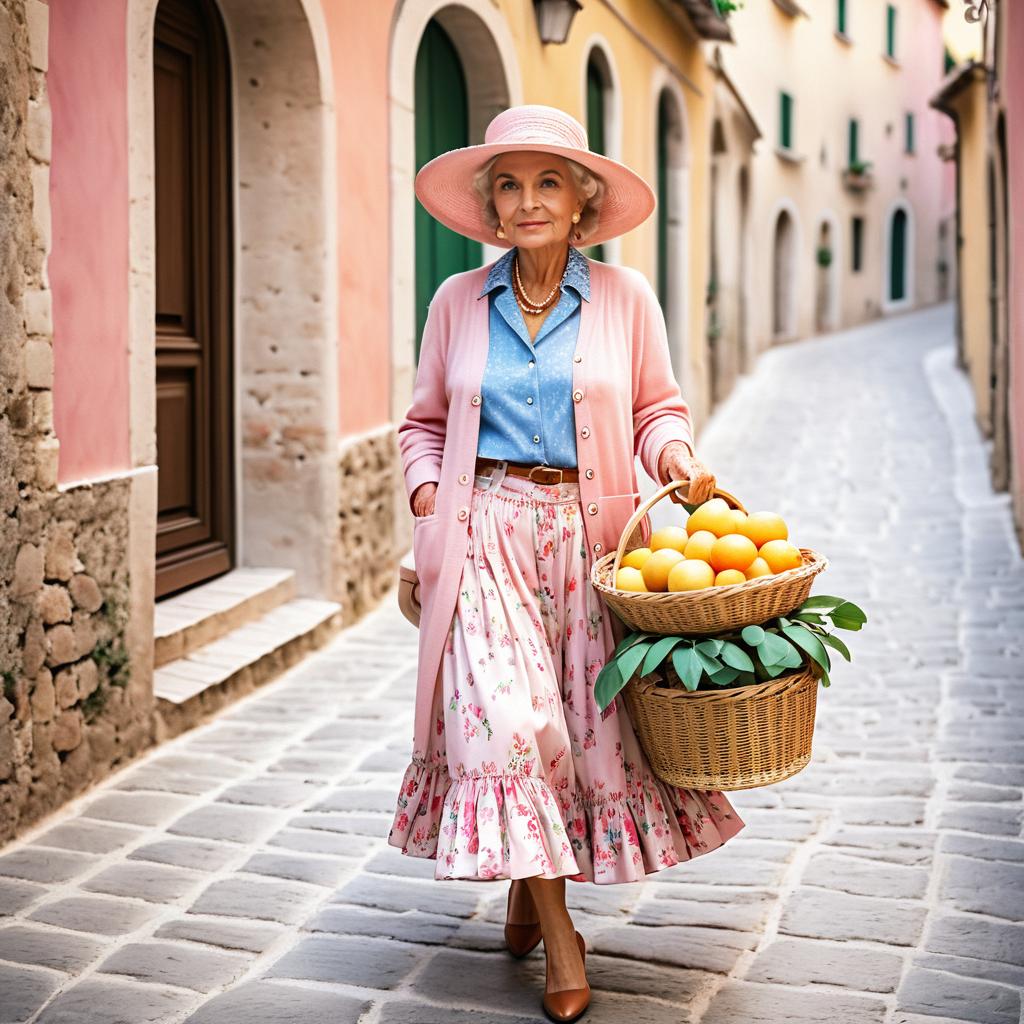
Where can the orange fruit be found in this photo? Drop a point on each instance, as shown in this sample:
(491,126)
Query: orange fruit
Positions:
(762,527)
(630,579)
(758,567)
(781,555)
(727,576)
(690,574)
(699,545)
(656,568)
(635,559)
(733,551)
(738,519)
(668,537)
(714,515)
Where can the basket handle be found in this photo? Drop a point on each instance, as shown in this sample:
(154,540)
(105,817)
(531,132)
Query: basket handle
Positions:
(644,507)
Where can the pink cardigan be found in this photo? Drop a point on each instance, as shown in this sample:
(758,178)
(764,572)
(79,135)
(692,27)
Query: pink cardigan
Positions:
(627,403)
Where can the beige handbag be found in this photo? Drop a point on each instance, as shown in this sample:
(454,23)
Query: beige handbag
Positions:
(409,589)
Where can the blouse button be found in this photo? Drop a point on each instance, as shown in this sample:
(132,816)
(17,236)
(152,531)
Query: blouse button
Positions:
(464,478)
(536,438)
(577,396)
(585,432)
(592,508)
(476,399)
(589,474)
(530,364)
(463,513)
(529,399)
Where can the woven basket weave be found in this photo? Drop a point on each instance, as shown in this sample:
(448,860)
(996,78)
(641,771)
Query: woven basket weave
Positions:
(717,609)
(735,738)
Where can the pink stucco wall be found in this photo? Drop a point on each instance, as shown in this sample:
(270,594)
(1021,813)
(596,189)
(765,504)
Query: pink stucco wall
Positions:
(1012,18)
(359,40)
(88,263)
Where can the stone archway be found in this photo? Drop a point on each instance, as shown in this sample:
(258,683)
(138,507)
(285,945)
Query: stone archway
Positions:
(488,55)
(784,274)
(827,255)
(285,279)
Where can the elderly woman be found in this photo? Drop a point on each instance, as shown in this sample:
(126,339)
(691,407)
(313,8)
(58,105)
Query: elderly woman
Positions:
(541,377)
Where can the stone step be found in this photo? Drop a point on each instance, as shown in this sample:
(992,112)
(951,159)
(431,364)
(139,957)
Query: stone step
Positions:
(190,688)
(190,620)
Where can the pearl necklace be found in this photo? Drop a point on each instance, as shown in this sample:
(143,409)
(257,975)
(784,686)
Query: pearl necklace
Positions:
(528,305)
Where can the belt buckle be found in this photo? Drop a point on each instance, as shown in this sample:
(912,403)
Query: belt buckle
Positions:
(546,469)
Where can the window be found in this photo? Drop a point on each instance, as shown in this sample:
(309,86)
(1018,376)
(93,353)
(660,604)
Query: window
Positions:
(785,120)
(857,235)
(841,17)
(890,31)
(852,155)
(908,138)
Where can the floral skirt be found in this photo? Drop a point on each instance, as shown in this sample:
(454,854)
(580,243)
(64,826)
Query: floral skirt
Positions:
(524,775)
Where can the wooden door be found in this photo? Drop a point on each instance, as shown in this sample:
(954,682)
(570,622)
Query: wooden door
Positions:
(442,123)
(193,332)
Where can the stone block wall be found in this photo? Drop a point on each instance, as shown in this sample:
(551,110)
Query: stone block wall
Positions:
(69,707)
(368,545)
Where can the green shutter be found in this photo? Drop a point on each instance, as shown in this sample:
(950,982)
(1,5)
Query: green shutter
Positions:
(898,257)
(852,148)
(785,120)
(662,190)
(890,30)
(595,129)
(841,16)
(910,132)
(442,123)
(857,235)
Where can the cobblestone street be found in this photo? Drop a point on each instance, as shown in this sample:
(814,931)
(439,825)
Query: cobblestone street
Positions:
(241,873)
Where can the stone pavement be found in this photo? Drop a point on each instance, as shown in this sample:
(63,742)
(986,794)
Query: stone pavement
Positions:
(241,873)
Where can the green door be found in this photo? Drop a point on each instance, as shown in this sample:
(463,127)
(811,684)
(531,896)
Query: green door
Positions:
(442,123)
(595,130)
(898,257)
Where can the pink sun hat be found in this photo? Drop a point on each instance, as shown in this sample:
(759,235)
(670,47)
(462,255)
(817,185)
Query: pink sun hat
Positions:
(444,185)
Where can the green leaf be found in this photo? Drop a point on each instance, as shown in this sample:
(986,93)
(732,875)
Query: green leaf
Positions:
(734,656)
(608,683)
(773,650)
(710,663)
(658,652)
(775,670)
(630,640)
(688,668)
(724,676)
(629,661)
(812,617)
(753,635)
(836,644)
(806,640)
(848,610)
(843,623)
(822,601)
(712,646)
(825,681)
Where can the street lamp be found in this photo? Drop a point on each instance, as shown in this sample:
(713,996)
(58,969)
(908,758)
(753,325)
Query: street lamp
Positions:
(554,18)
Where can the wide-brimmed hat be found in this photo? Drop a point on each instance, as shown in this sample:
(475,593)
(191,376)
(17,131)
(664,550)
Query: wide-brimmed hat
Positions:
(445,185)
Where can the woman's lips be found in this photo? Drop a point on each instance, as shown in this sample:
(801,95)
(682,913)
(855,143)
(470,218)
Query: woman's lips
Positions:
(533,223)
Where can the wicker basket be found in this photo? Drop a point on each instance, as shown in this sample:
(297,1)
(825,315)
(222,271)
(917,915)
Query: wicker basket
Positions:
(735,738)
(708,611)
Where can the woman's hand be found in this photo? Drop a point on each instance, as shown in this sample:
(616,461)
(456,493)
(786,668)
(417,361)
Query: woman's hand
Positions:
(676,463)
(423,499)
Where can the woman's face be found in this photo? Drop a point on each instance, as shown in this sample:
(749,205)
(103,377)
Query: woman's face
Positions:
(535,196)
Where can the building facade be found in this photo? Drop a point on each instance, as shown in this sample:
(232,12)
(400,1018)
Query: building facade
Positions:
(217,277)
(852,211)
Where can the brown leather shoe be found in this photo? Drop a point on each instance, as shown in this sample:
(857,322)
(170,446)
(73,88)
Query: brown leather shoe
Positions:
(570,1003)
(521,939)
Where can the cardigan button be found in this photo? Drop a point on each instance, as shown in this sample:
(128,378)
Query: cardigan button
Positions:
(598,548)
(577,359)
(463,513)
(592,508)
(476,400)
(589,474)
(577,396)
(585,432)
(463,478)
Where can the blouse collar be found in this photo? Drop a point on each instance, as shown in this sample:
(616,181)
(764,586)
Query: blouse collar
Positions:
(577,273)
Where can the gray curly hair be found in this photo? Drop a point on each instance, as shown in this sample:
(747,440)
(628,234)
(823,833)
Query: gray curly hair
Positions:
(589,185)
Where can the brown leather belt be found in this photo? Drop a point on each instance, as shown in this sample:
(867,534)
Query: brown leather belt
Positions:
(538,474)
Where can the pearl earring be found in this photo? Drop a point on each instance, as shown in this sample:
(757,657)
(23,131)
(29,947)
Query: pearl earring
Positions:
(499,232)
(576,218)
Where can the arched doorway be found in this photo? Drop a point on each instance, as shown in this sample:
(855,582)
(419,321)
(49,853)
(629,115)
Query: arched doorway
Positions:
(742,291)
(193,332)
(826,261)
(898,256)
(486,54)
(598,89)
(784,276)
(442,123)
(670,185)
